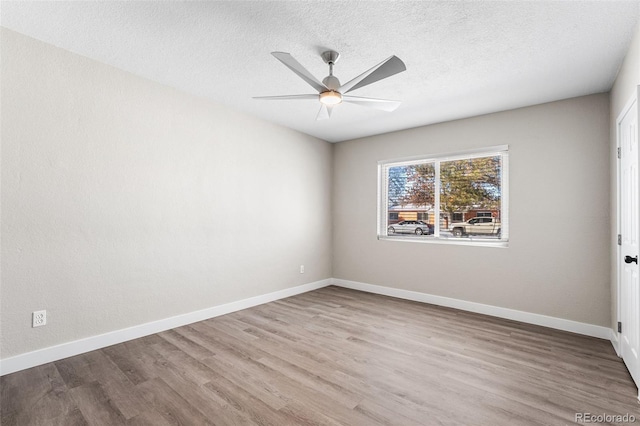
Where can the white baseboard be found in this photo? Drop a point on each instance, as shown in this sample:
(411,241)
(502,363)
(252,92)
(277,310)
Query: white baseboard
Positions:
(615,342)
(495,311)
(76,347)
(65,350)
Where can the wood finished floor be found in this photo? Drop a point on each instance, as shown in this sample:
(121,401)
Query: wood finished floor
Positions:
(330,357)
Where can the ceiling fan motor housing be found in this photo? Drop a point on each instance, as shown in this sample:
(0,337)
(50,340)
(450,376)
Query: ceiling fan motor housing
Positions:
(331,82)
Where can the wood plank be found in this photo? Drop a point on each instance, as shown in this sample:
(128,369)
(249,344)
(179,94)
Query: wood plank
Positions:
(97,367)
(171,405)
(37,396)
(96,406)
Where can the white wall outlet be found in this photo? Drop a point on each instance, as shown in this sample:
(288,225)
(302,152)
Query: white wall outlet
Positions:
(39,318)
(302,269)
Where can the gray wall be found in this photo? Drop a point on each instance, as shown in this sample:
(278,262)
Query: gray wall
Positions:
(125,201)
(557,262)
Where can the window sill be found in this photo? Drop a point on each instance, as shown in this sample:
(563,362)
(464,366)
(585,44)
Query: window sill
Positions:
(448,241)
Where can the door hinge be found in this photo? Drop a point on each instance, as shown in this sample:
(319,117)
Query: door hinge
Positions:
(619,153)
(619,239)
(619,327)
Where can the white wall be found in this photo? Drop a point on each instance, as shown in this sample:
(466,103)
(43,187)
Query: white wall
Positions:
(625,86)
(125,201)
(557,262)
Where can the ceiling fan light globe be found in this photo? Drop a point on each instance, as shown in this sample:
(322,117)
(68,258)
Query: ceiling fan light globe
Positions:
(330,98)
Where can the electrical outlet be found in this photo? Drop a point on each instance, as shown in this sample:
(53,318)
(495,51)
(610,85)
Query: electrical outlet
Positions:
(302,269)
(39,318)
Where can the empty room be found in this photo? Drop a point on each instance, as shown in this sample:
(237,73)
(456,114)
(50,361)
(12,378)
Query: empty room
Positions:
(319,213)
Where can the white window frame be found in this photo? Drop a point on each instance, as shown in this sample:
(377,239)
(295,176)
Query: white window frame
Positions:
(383,188)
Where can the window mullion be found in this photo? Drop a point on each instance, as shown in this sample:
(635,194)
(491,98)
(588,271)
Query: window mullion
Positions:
(383,203)
(436,201)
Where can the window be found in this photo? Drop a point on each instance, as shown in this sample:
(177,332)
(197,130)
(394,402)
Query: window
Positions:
(458,198)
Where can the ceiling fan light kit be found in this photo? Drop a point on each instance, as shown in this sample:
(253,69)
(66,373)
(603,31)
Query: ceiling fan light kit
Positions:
(330,97)
(331,92)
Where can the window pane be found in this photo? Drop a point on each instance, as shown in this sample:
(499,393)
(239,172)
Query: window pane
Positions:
(397,185)
(421,184)
(470,198)
(410,199)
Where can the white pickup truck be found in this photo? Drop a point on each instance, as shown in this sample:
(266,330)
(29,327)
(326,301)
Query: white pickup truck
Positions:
(477,226)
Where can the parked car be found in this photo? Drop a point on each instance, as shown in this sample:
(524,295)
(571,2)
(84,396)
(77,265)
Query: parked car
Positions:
(477,226)
(417,227)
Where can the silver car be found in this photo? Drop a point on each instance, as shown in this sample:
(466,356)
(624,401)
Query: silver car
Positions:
(417,227)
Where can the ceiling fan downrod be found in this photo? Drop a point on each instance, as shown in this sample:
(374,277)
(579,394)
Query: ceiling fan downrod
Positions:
(330,57)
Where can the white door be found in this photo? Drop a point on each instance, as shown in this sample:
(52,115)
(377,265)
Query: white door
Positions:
(629,284)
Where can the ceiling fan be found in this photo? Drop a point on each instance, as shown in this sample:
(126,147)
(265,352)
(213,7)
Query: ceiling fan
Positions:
(331,92)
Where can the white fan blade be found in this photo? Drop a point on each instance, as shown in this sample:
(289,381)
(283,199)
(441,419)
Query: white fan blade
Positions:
(285,97)
(381,104)
(301,71)
(323,114)
(384,69)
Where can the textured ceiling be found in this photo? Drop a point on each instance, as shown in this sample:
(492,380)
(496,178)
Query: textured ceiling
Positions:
(463,58)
